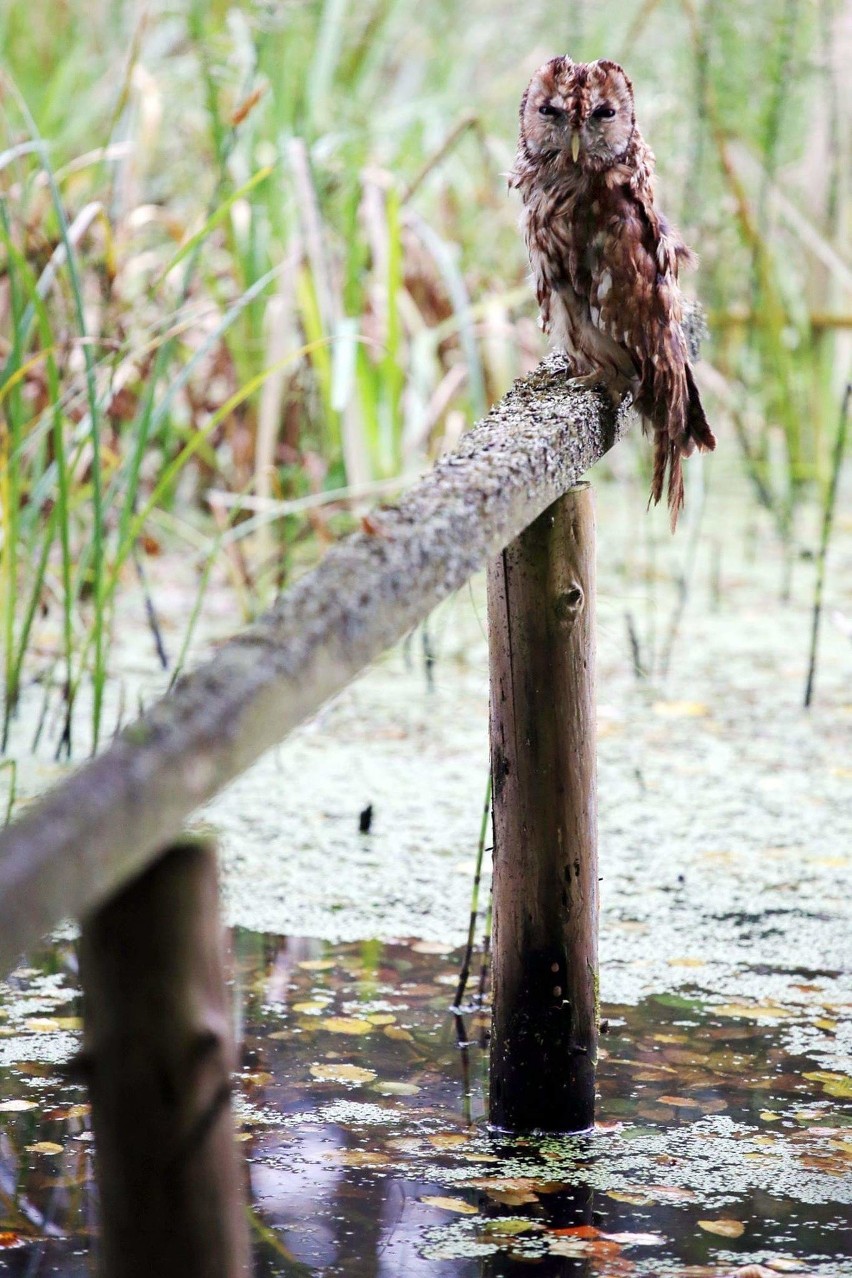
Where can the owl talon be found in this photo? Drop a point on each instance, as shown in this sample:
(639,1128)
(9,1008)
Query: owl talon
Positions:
(590,381)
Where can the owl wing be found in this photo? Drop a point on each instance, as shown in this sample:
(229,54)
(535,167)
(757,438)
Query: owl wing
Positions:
(634,299)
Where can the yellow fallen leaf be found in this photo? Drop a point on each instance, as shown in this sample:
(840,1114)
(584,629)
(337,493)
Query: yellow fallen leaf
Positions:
(510,1227)
(316,965)
(342,1073)
(680,709)
(752,1011)
(398,1034)
(396,1089)
(357,1158)
(724,1228)
(448,1140)
(839,1085)
(310,1008)
(449,1204)
(346,1025)
(16,1106)
(769,1116)
(687,961)
(381,1018)
(44,1147)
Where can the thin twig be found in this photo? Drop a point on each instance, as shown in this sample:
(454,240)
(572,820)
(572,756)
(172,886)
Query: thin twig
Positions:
(474,900)
(468,122)
(827,523)
(150,610)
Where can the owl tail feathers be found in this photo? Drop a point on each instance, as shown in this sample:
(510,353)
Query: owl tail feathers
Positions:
(697,426)
(669,452)
(667,459)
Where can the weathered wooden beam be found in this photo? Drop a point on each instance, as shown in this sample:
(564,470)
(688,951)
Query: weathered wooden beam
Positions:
(541,634)
(158,1056)
(88,836)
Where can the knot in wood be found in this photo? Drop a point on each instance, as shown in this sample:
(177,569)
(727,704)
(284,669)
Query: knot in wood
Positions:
(569,604)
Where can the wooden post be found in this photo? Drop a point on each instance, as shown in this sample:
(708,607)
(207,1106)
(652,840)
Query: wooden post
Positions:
(158,1055)
(541,607)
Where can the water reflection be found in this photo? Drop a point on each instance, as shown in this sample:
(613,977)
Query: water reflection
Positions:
(361,1106)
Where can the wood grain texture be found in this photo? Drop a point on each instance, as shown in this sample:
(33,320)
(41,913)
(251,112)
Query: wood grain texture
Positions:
(158,1055)
(541,606)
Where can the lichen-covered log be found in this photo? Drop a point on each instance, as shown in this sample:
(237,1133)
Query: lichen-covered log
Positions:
(104,824)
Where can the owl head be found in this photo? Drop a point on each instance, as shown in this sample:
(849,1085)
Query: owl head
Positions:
(582,112)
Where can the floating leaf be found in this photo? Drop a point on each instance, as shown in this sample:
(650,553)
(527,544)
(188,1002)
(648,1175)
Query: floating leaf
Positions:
(752,1011)
(723,1227)
(312,1007)
(44,1147)
(680,1102)
(518,1185)
(396,1089)
(357,1158)
(316,965)
(342,1073)
(346,1025)
(448,1140)
(381,1018)
(512,1197)
(398,1034)
(636,1200)
(751,1271)
(568,1247)
(786,1265)
(636,1240)
(839,1085)
(596,1247)
(449,1204)
(16,1106)
(577,1231)
(512,1226)
(8,1240)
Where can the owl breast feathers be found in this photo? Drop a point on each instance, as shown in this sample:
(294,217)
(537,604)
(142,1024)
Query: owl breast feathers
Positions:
(604,259)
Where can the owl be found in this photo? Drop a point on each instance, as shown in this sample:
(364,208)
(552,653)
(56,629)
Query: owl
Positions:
(604,259)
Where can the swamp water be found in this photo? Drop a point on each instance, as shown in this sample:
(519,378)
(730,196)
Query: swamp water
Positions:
(360,1107)
(724,1137)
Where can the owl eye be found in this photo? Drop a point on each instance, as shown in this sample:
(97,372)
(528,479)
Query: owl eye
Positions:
(603,113)
(547,109)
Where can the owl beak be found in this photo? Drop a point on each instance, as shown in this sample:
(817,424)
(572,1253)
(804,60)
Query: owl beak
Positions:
(575,146)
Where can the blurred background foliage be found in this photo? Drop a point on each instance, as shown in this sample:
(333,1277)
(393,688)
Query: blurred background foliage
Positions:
(258,262)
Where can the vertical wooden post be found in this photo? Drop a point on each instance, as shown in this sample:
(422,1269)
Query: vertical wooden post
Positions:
(541,607)
(158,1053)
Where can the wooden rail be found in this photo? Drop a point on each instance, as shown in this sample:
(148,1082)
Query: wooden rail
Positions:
(77,846)
(104,846)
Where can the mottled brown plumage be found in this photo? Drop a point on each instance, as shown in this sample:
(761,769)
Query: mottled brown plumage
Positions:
(605,260)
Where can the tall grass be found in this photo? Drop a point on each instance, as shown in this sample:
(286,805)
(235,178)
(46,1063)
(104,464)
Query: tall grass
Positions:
(268,249)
